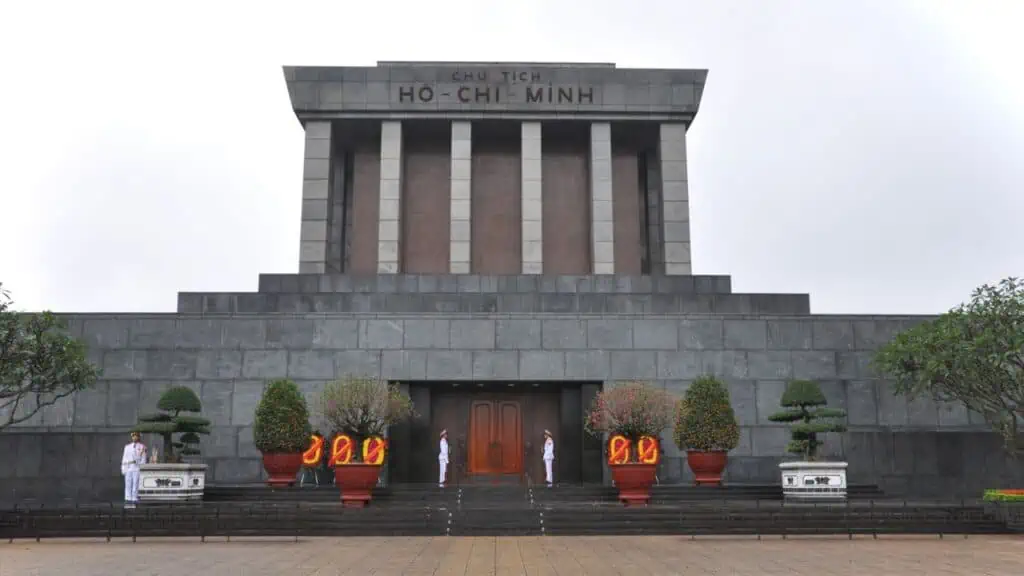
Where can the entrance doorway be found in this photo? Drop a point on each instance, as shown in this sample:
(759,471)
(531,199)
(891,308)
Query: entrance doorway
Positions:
(495,438)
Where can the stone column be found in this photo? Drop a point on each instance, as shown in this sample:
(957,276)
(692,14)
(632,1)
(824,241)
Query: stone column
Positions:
(675,199)
(316,186)
(532,204)
(390,215)
(461,197)
(602,220)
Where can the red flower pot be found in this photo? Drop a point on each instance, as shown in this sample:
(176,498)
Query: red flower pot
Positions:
(634,482)
(282,468)
(356,481)
(707,466)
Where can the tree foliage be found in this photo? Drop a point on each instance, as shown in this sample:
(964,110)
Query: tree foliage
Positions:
(805,410)
(705,420)
(632,409)
(364,407)
(281,423)
(39,363)
(973,354)
(176,407)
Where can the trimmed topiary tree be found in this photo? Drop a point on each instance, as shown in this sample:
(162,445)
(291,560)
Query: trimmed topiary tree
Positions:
(281,425)
(705,420)
(804,403)
(706,429)
(176,406)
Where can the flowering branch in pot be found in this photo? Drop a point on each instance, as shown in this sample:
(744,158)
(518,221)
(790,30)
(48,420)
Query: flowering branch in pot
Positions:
(363,408)
(633,414)
(632,410)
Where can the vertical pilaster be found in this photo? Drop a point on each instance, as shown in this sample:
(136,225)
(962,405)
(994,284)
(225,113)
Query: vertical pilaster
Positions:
(316,186)
(602,220)
(675,199)
(461,197)
(652,181)
(532,203)
(390,214)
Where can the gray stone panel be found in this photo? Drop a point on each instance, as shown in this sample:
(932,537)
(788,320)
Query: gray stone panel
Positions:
(610,334)
(505,302)
(745,334)
(266,364)
(862,403)
(588,365)
(564,334)
(357,363)
(245,398)
(404,364)
(496,365)
(228,359)
(122,402)
(449,365)
(536,365)
(219,364)
(473,334)
(655,334)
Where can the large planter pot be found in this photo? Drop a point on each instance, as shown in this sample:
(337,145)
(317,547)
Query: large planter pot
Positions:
(634,482)
(282,468)
(707,466)
(171,482)
(356,482)
(813,480)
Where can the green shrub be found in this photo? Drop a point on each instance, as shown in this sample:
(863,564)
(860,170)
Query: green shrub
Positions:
(282,424)
(705,421)
(170,421)
(804,403)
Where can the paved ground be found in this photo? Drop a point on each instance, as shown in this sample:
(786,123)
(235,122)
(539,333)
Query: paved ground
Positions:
(628,556)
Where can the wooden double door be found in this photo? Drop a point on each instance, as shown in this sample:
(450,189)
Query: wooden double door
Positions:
(495,442)
(493,430)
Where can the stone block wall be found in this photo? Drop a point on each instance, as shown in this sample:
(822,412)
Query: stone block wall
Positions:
(914,446)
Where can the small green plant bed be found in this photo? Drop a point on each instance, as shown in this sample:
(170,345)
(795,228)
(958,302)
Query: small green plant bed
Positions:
(1004,496)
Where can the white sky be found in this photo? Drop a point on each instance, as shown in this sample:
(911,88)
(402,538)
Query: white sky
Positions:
(868,152)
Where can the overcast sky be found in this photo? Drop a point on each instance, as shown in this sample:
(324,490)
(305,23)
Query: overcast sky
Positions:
(870,153)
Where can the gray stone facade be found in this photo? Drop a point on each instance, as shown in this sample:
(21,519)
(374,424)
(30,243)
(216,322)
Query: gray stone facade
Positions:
(71,450)
(665,326)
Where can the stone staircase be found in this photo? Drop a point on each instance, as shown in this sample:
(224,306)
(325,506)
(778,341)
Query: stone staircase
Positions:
(485,510)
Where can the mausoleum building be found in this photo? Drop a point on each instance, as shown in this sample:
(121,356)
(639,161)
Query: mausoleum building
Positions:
(502,240)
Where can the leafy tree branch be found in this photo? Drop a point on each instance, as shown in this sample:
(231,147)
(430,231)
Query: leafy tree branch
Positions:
(973,354)
(40,364)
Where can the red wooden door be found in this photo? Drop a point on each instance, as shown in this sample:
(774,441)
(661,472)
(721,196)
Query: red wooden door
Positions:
(495,437)
(510,436)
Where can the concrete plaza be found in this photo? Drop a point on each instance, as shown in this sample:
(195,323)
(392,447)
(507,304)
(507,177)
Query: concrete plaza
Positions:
(562,556)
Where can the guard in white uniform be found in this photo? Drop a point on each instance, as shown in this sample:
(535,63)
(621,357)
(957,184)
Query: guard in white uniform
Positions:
(442,458)
(134,454)
(549,457)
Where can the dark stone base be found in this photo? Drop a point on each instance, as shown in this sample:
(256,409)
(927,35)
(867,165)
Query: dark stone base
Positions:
(84,467)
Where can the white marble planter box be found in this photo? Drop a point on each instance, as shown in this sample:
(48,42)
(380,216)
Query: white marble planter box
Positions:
(171,482)
(814,480)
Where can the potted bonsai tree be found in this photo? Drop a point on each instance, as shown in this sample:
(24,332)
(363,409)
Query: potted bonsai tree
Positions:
(632,414)
(178,423)
(805,409)
(706,429)
(359,411)
(281,431)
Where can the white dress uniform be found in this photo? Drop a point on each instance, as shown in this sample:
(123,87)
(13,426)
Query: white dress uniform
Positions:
(133,455)
(442,460)
(549,458)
